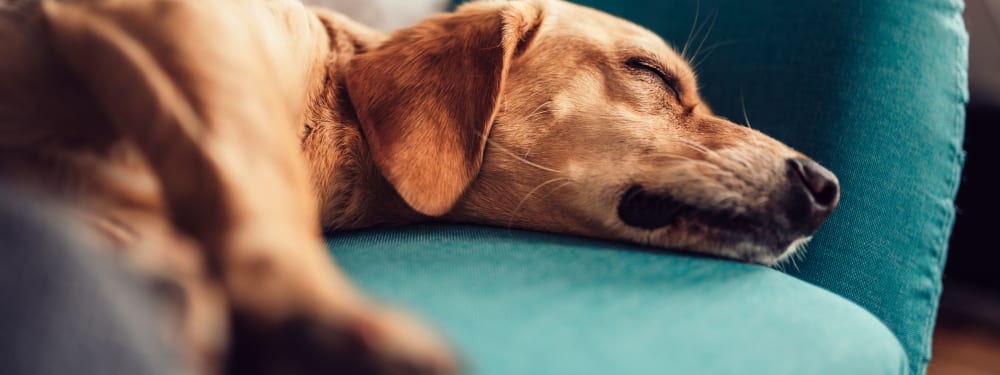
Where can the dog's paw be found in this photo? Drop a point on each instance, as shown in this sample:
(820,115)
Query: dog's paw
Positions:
(379,342)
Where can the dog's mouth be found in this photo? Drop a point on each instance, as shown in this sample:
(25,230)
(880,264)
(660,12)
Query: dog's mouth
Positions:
(642,209)
(765,234)
(653,211)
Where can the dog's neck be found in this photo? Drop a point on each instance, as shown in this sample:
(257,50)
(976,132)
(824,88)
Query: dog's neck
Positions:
(351,192)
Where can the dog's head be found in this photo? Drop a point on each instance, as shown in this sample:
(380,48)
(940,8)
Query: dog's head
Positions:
(551,116)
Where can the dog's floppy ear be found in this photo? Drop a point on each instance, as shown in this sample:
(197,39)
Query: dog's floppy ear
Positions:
(426,98)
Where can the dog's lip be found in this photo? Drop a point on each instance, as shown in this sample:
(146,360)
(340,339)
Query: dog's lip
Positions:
(647,210)
(641,209)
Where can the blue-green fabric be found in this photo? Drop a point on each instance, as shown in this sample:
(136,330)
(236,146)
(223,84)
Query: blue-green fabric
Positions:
(874,90)
(526,303)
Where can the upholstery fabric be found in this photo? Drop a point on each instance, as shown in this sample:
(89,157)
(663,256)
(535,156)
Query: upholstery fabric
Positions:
(527,303)
(872,89)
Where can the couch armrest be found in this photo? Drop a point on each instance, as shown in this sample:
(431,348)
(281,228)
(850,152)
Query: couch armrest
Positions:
(873,89)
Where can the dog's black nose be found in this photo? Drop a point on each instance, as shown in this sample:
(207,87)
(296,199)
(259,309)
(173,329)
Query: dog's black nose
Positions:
(822,188)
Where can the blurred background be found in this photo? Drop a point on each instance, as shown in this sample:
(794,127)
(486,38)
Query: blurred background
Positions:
(385,15)
(967,339)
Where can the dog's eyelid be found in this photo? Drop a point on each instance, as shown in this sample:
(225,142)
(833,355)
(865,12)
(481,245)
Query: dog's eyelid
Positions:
(670,80)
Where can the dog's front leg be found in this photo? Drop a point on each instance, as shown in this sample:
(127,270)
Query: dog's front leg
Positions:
(211,92)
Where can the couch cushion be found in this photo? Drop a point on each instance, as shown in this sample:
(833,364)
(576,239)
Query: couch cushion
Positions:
(874,90)
(525,303)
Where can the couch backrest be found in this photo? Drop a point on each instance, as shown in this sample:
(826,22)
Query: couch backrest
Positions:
(873,89)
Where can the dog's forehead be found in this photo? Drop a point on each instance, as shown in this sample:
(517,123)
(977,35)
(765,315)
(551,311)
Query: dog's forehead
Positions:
(602,28)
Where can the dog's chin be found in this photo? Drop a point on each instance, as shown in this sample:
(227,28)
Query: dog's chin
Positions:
(742,251)
(672,223)
(777,256)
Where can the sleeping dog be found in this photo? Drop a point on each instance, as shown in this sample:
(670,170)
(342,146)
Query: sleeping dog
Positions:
(209,142)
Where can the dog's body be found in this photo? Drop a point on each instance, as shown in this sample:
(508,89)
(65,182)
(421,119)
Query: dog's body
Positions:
(240,185)
(211,140)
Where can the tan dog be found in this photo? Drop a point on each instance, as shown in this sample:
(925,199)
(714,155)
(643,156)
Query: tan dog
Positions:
(178,129)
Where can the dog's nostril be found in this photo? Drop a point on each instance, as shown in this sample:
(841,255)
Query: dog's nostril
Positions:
(827,194)
(821,184)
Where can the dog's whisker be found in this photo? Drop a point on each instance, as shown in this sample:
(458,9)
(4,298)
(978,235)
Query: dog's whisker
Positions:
(708,26)
(678,157)
(687,43)
(779,266)
(742,160)
(738,159)
(744,105)
(695,65)
(709,165)
(714,16)
(798,254)
(801,254)
(794,263)
(537,113)
(521,159)
(527,152)
(555,189)
(540,113)
(537,109)
(697,33)
(694,146)
(513,213)
(531,148)
(720,167)
(647,238)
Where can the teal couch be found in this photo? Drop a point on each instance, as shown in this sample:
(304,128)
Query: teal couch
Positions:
(873,89)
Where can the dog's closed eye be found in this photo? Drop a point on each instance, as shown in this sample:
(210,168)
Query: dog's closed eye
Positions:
(647,66)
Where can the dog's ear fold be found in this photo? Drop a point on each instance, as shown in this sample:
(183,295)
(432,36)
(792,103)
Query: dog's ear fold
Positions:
(427,96)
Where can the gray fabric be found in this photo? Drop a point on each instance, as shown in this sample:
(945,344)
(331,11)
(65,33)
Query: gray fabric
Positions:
(64,310)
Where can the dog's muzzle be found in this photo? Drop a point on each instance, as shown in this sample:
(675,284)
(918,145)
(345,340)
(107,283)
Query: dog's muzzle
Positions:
(803,203)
